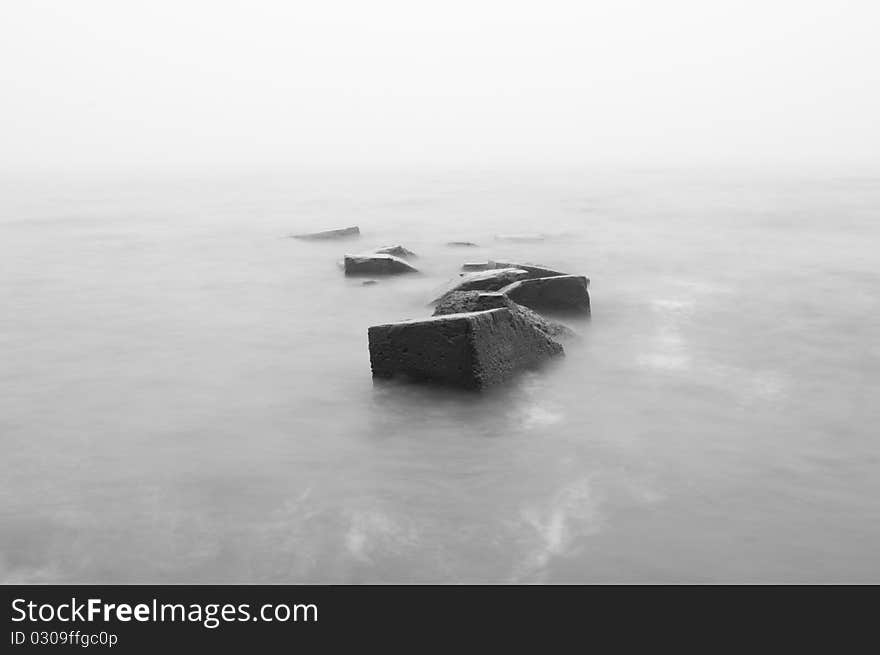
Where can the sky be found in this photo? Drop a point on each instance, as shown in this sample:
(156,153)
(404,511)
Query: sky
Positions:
(96,83)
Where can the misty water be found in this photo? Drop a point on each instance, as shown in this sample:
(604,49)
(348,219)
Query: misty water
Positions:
(185,394)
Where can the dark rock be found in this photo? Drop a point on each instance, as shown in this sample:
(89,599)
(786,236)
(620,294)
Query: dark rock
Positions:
(477,266)
(342,233)
(534,271)
(367,283)
(487,280)
(472,350)
(562,293)
(459,302)
(374,264)
(397,251)
(462,244)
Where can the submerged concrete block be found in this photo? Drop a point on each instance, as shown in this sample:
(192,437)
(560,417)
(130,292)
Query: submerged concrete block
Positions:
(376,264)
(491,280)
(397,251)
(471,350)
(477,301)
(462,302)
(341,233)
(476,266)
(562,293)
(532,269)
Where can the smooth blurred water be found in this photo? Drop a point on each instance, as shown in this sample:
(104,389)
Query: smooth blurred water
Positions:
(185,396)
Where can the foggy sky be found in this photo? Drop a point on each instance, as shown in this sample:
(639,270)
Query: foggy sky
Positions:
(107,83)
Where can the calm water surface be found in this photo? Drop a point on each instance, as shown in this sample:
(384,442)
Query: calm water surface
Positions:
(185,396)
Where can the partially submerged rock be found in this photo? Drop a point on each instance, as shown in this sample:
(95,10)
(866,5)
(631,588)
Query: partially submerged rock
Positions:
(462,244)
(376,264)
(487,280)
(459,302)
(342,233)
(562,293)
(397,251)
(533,270)
(471,350)
(368,283)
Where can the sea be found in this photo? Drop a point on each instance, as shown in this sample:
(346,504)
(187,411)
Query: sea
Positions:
(186,394)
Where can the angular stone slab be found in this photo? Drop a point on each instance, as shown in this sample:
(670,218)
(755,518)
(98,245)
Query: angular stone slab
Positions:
(342,233)
(397,251)
(562,293)
(375,264)
(486,281)
(472,350)
(533,270)
(478,301)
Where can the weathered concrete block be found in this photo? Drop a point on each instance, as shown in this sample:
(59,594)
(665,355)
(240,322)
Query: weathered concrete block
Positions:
(478,301)
(462,302)
(532,269)
(342,233)
(491,280)
(562,293)
(486,281)
(471,350)
(397,251)
(376,264)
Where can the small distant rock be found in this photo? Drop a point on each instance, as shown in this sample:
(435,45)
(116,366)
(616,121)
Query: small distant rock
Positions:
(341,233)
(462,244)
(397,251)
(368,283)
(562,293)
(376,264)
